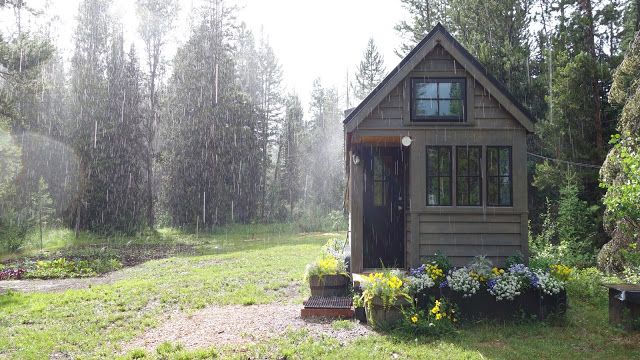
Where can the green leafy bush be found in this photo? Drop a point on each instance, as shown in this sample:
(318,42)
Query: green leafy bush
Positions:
(586,285)
(566,235)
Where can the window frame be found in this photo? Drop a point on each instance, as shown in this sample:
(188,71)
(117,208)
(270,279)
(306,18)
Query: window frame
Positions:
(467,178)
(438,118)
(489,176)
(439,175)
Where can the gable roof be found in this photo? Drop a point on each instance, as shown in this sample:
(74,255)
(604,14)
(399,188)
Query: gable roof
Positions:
(440,36)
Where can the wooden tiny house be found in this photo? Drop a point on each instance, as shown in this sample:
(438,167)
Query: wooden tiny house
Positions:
(436,162)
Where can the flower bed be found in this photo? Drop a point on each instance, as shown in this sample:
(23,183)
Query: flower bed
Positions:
(483,291)
(435,295)
(60,268)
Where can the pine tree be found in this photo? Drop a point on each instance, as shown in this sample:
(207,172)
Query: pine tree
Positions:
(370,71)
(89,97)
(157,18)
(270,108)
(288,183)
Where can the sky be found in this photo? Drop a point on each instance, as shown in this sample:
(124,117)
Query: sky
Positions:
(311,39)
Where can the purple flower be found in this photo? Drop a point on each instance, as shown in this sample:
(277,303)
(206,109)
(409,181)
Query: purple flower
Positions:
(444,284)
(491,283)
(12,274)
(534,280)
(519,269)
(418,271)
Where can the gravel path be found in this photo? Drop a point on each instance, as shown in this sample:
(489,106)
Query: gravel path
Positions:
(56,285)
(236,324)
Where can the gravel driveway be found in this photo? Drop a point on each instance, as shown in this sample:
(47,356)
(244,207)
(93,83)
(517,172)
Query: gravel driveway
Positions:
(236,324)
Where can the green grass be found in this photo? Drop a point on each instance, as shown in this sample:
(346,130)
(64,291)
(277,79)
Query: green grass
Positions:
(253,265)
(95,322)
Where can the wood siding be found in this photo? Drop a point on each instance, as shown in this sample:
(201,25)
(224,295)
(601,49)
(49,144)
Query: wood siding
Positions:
(462,236)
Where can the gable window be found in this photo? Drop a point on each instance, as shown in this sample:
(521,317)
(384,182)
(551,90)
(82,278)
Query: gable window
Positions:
(437,99)
(468,178)
(438,175)
(499,176)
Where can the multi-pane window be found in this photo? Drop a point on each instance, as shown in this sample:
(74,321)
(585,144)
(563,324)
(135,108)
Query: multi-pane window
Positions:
(437,99)
(438,175)
(499,176)
(468,176)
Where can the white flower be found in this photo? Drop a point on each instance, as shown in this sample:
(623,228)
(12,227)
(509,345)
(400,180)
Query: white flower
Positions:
(506,287)
(460,280)
(419,284)
(547,283)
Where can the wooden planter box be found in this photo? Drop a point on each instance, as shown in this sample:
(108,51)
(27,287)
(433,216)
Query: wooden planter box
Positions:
(482,305)
(329,285)
(380,317)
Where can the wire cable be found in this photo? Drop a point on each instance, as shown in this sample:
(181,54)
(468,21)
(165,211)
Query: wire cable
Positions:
(592,166)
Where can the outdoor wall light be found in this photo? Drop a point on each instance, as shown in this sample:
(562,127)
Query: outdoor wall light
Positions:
(406,141)
(356,159)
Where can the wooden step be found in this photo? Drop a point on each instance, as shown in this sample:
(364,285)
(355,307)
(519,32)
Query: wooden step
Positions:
(329,307)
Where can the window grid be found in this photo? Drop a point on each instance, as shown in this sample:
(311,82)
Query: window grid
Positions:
(469,177)
(439,176)
(438,99)
(499,176)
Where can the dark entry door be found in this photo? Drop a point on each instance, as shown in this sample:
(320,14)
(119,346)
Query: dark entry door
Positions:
(383,207)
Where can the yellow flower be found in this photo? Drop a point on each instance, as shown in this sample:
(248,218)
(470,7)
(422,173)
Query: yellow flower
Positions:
(438,316)
(560,271)
(414,319)
(395,282)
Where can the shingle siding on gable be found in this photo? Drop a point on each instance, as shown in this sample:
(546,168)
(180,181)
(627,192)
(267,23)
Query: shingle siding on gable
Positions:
(487,112)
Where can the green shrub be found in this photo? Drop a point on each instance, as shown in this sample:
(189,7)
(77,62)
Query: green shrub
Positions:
(586,285)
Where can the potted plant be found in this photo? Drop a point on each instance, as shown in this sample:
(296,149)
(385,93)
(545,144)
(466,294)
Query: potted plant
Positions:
(385,295)
(327,275)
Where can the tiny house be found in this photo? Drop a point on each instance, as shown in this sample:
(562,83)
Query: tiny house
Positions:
(436,162)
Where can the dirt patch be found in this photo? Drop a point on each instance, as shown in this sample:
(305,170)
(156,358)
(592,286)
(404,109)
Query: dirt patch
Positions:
(236,324)
(55,285)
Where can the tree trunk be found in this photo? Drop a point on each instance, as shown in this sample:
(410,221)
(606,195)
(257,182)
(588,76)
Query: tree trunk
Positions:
(150,215)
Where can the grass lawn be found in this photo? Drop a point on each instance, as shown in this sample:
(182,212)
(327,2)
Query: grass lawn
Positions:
(258,264)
